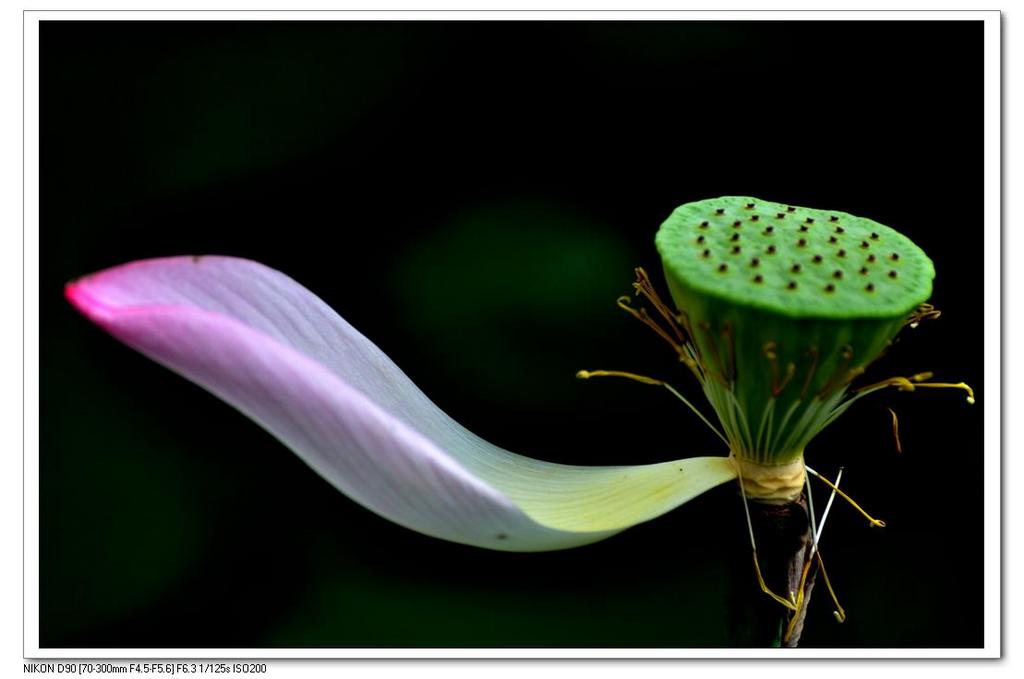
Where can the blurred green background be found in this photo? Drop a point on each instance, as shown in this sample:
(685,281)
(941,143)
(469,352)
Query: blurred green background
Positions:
(473,197)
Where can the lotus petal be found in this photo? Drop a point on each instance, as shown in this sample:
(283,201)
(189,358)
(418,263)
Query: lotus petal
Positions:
(272,349)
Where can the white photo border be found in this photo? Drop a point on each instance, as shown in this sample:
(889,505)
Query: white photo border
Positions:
(992,334)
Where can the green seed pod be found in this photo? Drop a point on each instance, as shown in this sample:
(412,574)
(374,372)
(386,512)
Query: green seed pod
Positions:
(784,307)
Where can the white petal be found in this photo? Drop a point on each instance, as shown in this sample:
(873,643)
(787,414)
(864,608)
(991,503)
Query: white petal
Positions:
(276,352)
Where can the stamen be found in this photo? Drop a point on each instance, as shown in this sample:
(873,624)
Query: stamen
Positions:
(643,286)
(842,374)
(874,521)
(716,355)
(799,601)
(813,351)
(730,343)
(777,384)
(839,613)
(816,536)
(922,313)
(757,566)
(802,587)
(587,374)
(643,379)
(828,507)
(791,605)
(915,382)
(946,385)
(642,316)
(895,430)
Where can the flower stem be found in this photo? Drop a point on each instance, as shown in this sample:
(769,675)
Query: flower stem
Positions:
(784,544)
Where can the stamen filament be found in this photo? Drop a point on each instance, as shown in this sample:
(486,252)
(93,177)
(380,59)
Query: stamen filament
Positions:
(828,506)
(644,287)
(923,312)
(839,613)
(764,587)
(799,601)
(813,351)
(810,511)
(642,316)
(587,374)
(915,382)
(874,521)
(757,566)
(697,412)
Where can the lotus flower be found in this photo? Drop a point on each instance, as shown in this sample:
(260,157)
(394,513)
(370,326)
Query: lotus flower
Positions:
(777,310)
(275,351)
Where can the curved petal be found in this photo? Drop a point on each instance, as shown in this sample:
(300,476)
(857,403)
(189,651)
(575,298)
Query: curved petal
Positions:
(276,352)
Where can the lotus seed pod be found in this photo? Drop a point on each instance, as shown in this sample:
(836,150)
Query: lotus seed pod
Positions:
(785,306)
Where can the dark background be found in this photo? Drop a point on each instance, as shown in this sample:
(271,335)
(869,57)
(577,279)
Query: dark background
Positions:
(473,197)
